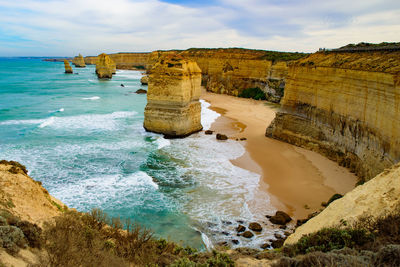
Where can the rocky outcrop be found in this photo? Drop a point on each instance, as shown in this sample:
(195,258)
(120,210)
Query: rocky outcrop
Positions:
(374,199)
(345,106)
(144,80)
(105,67)
(67,66)
(79,62)
(173,106)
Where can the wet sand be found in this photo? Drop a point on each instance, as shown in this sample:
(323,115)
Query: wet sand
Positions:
(296,179)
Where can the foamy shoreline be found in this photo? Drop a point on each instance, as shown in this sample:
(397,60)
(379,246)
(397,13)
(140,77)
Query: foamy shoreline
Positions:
(296,179)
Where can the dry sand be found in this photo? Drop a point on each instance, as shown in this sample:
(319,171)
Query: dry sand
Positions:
(296,179)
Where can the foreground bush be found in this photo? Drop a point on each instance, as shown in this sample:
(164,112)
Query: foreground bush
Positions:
(254,93)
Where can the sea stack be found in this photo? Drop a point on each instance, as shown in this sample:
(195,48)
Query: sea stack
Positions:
(173,106)
(144,80)
(79,62)
(105,67)
(68,68)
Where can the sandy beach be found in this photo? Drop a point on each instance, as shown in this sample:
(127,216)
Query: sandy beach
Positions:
(296,179)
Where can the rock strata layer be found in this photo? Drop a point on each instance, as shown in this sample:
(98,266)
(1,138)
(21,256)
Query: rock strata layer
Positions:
(79,61)
(345,106)
(105,67)
(173,106)
(67,66)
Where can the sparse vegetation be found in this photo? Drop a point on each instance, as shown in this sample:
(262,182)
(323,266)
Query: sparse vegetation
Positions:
(255,93)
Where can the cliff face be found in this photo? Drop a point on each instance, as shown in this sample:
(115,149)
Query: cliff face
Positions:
(67,66)
(105,67)
(79,62)
(345,106)
(374,199)
(173,106)
(129,61)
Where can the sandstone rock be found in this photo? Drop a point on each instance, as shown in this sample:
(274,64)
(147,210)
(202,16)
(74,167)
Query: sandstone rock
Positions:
(79,62)
(221,137)
(344,106)
(105,67)
(208,132)
(264,246)
(255,227)
(248,234)
(240,228)
(280,218)
(374,199)
(67,66)
(141,91)
(173,106)
(144,80)
(277,243)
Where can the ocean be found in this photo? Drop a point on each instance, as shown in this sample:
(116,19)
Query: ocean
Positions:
(83,138)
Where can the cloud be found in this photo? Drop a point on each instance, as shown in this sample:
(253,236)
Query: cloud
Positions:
(89,27)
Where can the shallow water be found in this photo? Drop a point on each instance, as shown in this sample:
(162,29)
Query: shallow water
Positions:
(83,139)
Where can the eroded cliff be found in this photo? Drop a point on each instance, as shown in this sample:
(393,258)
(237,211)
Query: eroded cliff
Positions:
(105,67)
(173,106)
(345,106)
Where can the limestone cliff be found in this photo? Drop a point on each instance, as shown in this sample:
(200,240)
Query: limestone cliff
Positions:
(105,67)
(79,62)
(345,106)
(374,199)
(129,61)
(67,66)
(173,106)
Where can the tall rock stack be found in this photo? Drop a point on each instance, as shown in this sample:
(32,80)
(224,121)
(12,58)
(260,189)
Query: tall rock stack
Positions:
(79,61)
(68,68)
(105,67)
(173,106)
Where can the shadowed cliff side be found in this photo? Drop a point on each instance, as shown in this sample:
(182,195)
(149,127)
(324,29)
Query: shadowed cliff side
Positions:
(345,106)
(173,106)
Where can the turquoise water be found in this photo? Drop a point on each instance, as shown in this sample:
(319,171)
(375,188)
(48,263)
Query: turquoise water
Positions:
(83,139)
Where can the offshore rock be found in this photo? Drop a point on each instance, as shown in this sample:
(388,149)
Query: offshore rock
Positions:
(79,61)
(105,67)
(173,106)
(345,106)
(68,68)
(144,80)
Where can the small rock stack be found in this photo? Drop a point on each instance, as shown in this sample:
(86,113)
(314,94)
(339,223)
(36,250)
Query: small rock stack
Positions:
(105,67)
(68,68)
(79,62)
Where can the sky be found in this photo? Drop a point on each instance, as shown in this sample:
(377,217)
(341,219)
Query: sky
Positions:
(90,27)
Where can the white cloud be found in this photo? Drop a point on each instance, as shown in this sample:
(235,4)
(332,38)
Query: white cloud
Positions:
(89,27)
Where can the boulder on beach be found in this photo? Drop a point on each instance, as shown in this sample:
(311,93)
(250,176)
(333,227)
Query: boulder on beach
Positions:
(240,228)
(248,234)
(255,227)
(280,218)
(208,132)
(221,137)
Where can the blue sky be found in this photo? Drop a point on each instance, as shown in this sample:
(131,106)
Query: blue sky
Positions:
(69,27)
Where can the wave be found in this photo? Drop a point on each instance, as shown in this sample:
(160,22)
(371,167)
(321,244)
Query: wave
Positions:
(91,98)
(88,121)
(162,142)
(208,116)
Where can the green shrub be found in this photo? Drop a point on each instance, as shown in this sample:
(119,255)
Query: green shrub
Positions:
(255,93)
(11,238)
(32,233)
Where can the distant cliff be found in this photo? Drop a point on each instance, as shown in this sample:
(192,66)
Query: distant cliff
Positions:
(345,106)
(129,61)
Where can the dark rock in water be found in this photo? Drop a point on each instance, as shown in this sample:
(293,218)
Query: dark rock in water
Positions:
(208,132)
(301,222)
(235,241)
(221,137)
(283,227)
(268,216)
(240,221)
(141,91)
(223,244)
(225,233)
(333,198)
(122,85)
(287,233)
(277,236)
(280,218)
(227,222)
(255,227)
(277,243)
(240,228)
(248,234)
(210,224)
(243,139)
(264,246)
